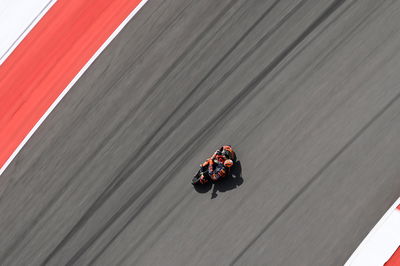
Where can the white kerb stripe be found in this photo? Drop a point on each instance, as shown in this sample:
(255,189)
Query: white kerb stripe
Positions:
(17,19)
(381,242)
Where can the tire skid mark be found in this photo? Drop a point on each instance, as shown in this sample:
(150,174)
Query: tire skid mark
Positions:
(316,177)
(143,146)
(89,108)
(191,93)
(318,174)
(194,142)
(320,61)
(97,151)
(118,181)
(148,232)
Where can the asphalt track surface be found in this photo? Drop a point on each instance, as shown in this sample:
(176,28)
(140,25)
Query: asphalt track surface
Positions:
(307,92)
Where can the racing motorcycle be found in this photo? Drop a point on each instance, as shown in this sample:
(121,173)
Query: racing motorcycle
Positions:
(229,154)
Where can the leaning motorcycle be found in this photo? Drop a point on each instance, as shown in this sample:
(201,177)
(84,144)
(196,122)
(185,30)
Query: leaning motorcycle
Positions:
(230,154)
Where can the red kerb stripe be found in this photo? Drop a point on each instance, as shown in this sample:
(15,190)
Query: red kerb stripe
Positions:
(395,259)
(47,60)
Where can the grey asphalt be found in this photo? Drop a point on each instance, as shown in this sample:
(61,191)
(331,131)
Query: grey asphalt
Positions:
(306,92)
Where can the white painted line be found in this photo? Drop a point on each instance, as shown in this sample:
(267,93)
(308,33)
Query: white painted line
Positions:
(71,84)
(17,19)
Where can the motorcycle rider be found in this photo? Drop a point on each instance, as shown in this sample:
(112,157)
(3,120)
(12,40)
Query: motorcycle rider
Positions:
(217,165)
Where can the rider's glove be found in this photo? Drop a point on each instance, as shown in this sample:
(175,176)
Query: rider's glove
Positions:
(203,179)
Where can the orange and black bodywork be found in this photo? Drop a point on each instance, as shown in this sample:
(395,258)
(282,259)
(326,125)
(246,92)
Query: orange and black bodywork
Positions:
(215,168)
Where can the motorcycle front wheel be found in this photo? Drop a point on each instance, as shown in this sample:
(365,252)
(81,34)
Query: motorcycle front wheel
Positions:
(196,179)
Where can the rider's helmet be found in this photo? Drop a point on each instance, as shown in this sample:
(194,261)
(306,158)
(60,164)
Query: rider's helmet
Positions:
(228,163)
(226,153)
